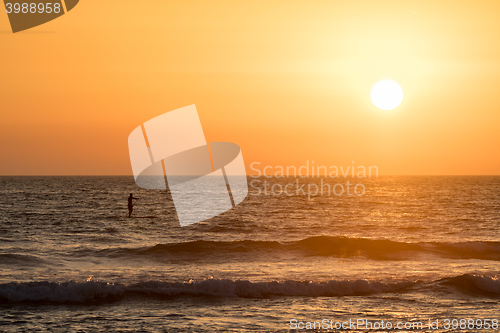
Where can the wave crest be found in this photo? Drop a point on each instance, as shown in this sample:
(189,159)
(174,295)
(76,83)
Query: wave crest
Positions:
(97,292)
(378,249)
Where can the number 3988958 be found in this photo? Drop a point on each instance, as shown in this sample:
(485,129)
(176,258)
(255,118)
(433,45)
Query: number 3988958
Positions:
(33,8)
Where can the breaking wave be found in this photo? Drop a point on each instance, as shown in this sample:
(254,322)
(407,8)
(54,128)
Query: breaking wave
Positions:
(98,292)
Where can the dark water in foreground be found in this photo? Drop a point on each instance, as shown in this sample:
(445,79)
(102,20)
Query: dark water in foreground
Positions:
(409,250)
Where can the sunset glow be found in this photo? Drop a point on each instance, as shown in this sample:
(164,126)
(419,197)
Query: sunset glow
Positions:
(250,166)
(284,83)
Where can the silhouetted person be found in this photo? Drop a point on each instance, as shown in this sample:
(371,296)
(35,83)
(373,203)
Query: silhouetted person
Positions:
(130,204)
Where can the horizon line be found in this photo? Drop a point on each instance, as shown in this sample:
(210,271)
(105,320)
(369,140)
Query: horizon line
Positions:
(298,176)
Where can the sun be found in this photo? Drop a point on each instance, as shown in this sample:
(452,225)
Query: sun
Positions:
(386,95)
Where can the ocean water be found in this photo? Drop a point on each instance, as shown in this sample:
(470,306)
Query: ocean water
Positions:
(410,250)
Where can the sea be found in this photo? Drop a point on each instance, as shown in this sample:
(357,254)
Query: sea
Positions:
(418,253)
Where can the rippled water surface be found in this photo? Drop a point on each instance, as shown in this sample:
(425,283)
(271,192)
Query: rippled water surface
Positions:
(411,248)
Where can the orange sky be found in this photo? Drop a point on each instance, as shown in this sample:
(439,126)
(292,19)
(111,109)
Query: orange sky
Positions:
(289,81)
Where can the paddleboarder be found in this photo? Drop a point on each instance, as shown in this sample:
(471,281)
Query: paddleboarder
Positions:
(130,204)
